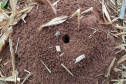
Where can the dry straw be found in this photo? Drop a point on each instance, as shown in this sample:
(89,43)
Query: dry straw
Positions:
(12,57)
(67,69)
(109,68)
(45,66)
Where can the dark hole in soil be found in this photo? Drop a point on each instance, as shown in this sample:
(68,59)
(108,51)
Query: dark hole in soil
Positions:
(66,38)
(17,58)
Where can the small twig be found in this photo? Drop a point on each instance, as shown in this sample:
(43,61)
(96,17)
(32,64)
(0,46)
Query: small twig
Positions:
(67,69)
(45,66)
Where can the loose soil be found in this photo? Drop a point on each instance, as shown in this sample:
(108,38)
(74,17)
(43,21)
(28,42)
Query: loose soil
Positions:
(37,45)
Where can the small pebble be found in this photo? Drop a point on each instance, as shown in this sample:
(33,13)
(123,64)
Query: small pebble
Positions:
(57,33)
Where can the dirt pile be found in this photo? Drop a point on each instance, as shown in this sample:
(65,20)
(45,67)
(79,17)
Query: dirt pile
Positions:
(35,45)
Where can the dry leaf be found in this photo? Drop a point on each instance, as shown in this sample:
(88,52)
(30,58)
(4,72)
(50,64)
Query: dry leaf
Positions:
(12,16)
(4,38)
(55,21)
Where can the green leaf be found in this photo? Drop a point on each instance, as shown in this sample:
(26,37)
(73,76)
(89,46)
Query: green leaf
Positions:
(4,4)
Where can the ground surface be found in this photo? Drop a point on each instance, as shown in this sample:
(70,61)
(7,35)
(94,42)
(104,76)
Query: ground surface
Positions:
(35,45)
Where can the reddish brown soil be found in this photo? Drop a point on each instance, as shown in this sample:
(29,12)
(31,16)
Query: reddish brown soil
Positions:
(35,45)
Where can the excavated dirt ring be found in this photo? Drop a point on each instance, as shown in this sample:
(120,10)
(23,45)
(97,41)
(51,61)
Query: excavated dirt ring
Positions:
(40,45)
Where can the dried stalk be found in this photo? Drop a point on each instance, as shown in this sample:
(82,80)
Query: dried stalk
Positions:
(12,16)
(78,15)
(105,13)
(121,60)
(119,34)
(54,10)
(12,58)
(109,68)
(4,38)
(120,27)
